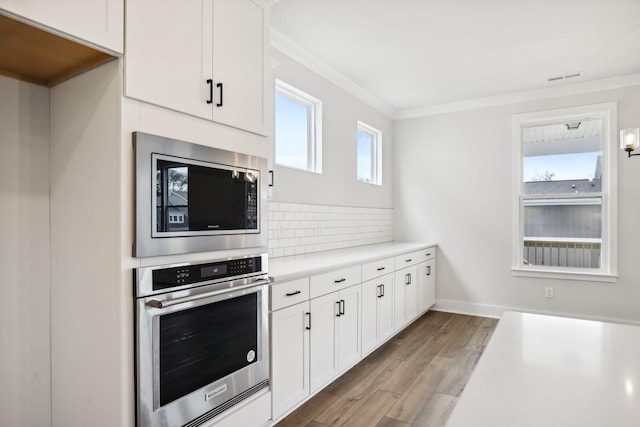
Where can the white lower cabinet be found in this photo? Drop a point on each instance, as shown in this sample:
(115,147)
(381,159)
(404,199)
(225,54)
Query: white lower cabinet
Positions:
(405,296)
(289,357)
(335,335)
(426,285)
(324,324)
(377,312)
(255,412)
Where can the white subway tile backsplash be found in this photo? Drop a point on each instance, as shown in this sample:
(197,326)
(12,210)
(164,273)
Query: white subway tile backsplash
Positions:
(296,228)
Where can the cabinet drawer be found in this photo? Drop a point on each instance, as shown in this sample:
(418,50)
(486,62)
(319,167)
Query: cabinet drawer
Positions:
(429,253)
(378,268)
(334,281)
(415,257)
(289,293)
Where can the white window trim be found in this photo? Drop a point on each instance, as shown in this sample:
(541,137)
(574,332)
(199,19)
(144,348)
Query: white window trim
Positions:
(609,256)
(376,153)
(314,131)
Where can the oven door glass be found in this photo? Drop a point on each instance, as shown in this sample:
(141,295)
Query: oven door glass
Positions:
(200,345)
(194,196)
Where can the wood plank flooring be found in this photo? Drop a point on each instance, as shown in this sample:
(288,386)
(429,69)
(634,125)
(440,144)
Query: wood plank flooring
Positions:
(414,380)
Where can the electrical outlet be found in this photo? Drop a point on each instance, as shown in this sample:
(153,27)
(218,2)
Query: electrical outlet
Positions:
(548,292)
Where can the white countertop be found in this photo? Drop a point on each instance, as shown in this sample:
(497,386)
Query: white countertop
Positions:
(553,371)
(293,267)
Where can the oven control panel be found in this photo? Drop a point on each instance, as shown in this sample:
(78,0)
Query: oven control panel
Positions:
(169,277)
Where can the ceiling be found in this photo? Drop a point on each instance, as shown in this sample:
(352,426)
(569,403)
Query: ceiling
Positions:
(417,55)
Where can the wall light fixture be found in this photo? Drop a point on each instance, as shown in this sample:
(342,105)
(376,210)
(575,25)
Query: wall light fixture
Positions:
(630,140)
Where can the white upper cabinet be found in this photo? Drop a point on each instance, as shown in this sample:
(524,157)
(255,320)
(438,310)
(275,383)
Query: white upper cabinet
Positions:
(238,64)
(164,51)
(96,22)
(205,58)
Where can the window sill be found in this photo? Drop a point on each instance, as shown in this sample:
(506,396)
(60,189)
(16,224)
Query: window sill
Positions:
(566,275)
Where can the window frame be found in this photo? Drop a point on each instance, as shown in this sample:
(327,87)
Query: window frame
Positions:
(607,272)
(314,125)
(376,152)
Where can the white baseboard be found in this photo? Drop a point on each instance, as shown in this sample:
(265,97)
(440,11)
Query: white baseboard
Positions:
(496,311)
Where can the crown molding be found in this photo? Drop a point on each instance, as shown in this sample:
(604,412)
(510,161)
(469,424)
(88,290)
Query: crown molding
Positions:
(300,54)
(517,97)
(303,56)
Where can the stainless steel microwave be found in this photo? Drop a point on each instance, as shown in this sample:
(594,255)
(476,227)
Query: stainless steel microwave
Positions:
(194,198)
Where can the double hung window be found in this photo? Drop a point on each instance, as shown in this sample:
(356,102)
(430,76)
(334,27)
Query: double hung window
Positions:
(564,213)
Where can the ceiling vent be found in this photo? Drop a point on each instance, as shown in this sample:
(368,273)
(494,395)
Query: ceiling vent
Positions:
(564,77)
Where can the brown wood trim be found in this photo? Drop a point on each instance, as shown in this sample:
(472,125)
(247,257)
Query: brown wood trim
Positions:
(36,56)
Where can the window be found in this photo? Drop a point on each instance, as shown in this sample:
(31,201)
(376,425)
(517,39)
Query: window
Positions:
(298,142)
(565,194)
(369,158)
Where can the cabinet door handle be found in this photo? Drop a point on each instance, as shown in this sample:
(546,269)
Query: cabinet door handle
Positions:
(407,279)
(342,305)
(379,291)
(380,268)
(339,280)
(308,327)
(428,253)
(290,294)
(219,85)
(210,83)
(339,311)
(408,260)
(428,270)
(272,179)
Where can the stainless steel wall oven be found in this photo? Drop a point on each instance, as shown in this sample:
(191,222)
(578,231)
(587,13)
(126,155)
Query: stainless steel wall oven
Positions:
(193,198)
(201,339)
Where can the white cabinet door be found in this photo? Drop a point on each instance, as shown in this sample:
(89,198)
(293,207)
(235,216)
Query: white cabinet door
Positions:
(406,296)
(411,294)
(201,57)
(323,363)
(289,357)
(371,291)
(335,335)
(426,285)
(164,59)
(348,328)
(377,312)
(385,308)
(98,22)
(238,64)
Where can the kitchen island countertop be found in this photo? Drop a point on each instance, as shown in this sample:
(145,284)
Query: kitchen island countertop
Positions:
(553,371)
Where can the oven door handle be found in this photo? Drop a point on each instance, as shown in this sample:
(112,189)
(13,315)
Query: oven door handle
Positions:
(168,303)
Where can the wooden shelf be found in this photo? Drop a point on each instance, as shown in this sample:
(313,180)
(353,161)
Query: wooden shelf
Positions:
(36,56)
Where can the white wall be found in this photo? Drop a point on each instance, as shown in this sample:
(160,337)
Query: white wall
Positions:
(337,185)
(90,369)
(453,185)
(25,392)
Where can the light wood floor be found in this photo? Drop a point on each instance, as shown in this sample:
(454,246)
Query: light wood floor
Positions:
(414,379)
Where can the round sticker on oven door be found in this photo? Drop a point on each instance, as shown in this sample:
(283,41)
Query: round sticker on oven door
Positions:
(251,356)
